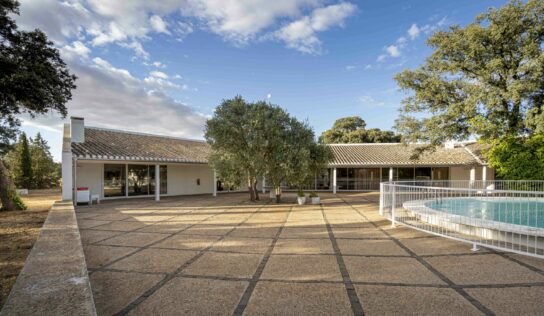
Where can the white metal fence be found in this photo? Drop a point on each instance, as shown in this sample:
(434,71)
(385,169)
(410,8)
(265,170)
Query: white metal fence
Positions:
(505,215)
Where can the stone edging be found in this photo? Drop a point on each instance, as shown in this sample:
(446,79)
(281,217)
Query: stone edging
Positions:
(54,279)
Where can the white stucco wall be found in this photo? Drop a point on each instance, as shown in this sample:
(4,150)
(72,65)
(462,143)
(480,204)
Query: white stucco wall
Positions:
(89,175)
(182,179)
(463,173)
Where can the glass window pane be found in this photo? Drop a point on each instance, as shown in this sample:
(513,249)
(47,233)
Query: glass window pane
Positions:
(405,174)
(423,173)
(442,173)
(164,179)
(138,180)
(114,180)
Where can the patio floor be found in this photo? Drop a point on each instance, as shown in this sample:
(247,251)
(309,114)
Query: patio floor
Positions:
(225,256)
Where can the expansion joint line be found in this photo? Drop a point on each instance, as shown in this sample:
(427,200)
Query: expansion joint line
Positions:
(356,305)
(427,265)
(242,304)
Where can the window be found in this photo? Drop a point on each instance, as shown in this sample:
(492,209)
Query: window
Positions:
(114,180)
(405,174)
(164,179)
(423,174)
(138,180)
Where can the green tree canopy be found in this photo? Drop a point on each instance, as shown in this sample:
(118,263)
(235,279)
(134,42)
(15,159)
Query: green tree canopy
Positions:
(251,140)
(25,162)
(352,129)
(33,80)
(484,80)
(518,160)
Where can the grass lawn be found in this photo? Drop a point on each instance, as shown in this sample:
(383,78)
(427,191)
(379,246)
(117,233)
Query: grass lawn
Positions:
(18,232)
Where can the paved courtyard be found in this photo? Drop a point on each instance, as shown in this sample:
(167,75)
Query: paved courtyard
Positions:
(200,255)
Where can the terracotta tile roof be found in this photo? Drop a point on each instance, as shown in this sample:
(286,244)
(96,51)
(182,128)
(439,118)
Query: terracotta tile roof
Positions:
(398,155)
(478,149)
(103,144)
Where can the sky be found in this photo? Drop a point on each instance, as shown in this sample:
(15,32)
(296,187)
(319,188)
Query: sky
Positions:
(162,67)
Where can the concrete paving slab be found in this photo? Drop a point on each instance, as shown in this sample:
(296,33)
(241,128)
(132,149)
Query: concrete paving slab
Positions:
(196,242)
(256,232)
(122,226)
(225,265)
(241,244)
(200,297)
(91,236)
(154,260)
(401,300)
(218,230)
(303,246)
(438,246)
(305,232)
(164,227)
(149,218)
(512,301)
(89,223)
(382,247)
(133,239)
(98,256)
(483,269)
(389,270)
(357,232)
(112,217)
(302,268)
(276,298)
(112,291)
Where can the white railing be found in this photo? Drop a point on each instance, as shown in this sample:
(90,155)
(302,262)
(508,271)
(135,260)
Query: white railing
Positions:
(504,215)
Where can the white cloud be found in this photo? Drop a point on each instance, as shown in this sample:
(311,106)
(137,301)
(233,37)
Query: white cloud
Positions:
(105,22)
(381,57)
(350,67)
(393,50)
(370,101)
(158,24)
(182,29)
(163,84)
(414,31)
(76,50)
(124,102)
(302,34)
(137,47)
(158,74)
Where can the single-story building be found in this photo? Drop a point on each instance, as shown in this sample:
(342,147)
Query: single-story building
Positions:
(118,164)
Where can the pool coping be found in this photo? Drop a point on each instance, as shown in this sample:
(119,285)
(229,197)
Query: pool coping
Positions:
(419,207)
(54,279)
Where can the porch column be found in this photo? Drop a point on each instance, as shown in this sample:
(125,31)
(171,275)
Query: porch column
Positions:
(334,181)
(157,182)
(264,184)
(214,183)
(390,174)
(484,177)
(67,166)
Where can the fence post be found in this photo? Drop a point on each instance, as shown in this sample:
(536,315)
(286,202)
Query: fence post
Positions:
(382,197)
(393,202)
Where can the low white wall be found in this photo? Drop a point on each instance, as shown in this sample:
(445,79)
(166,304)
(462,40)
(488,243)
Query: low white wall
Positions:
(182,179)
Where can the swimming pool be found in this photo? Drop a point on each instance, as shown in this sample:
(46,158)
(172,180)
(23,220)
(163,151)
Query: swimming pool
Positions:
(519,211)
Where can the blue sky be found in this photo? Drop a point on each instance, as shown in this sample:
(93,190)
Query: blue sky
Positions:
(162,67)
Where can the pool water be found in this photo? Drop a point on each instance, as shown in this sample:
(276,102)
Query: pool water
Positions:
(519,211)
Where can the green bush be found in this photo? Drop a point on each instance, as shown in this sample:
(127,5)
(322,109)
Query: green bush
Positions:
(300,193)
(313,195)
(19,204)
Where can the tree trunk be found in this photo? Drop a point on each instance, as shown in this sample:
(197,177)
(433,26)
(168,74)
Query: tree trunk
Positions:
(278,195)
(7,190)
(256,190)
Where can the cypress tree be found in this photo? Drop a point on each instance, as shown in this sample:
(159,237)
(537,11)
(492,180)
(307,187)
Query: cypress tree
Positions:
(25,162)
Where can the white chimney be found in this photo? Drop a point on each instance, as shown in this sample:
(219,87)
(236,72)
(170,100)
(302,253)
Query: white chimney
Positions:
(77,131)
(450,144)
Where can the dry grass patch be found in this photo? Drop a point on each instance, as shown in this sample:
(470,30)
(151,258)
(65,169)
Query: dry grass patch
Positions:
(18,232)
